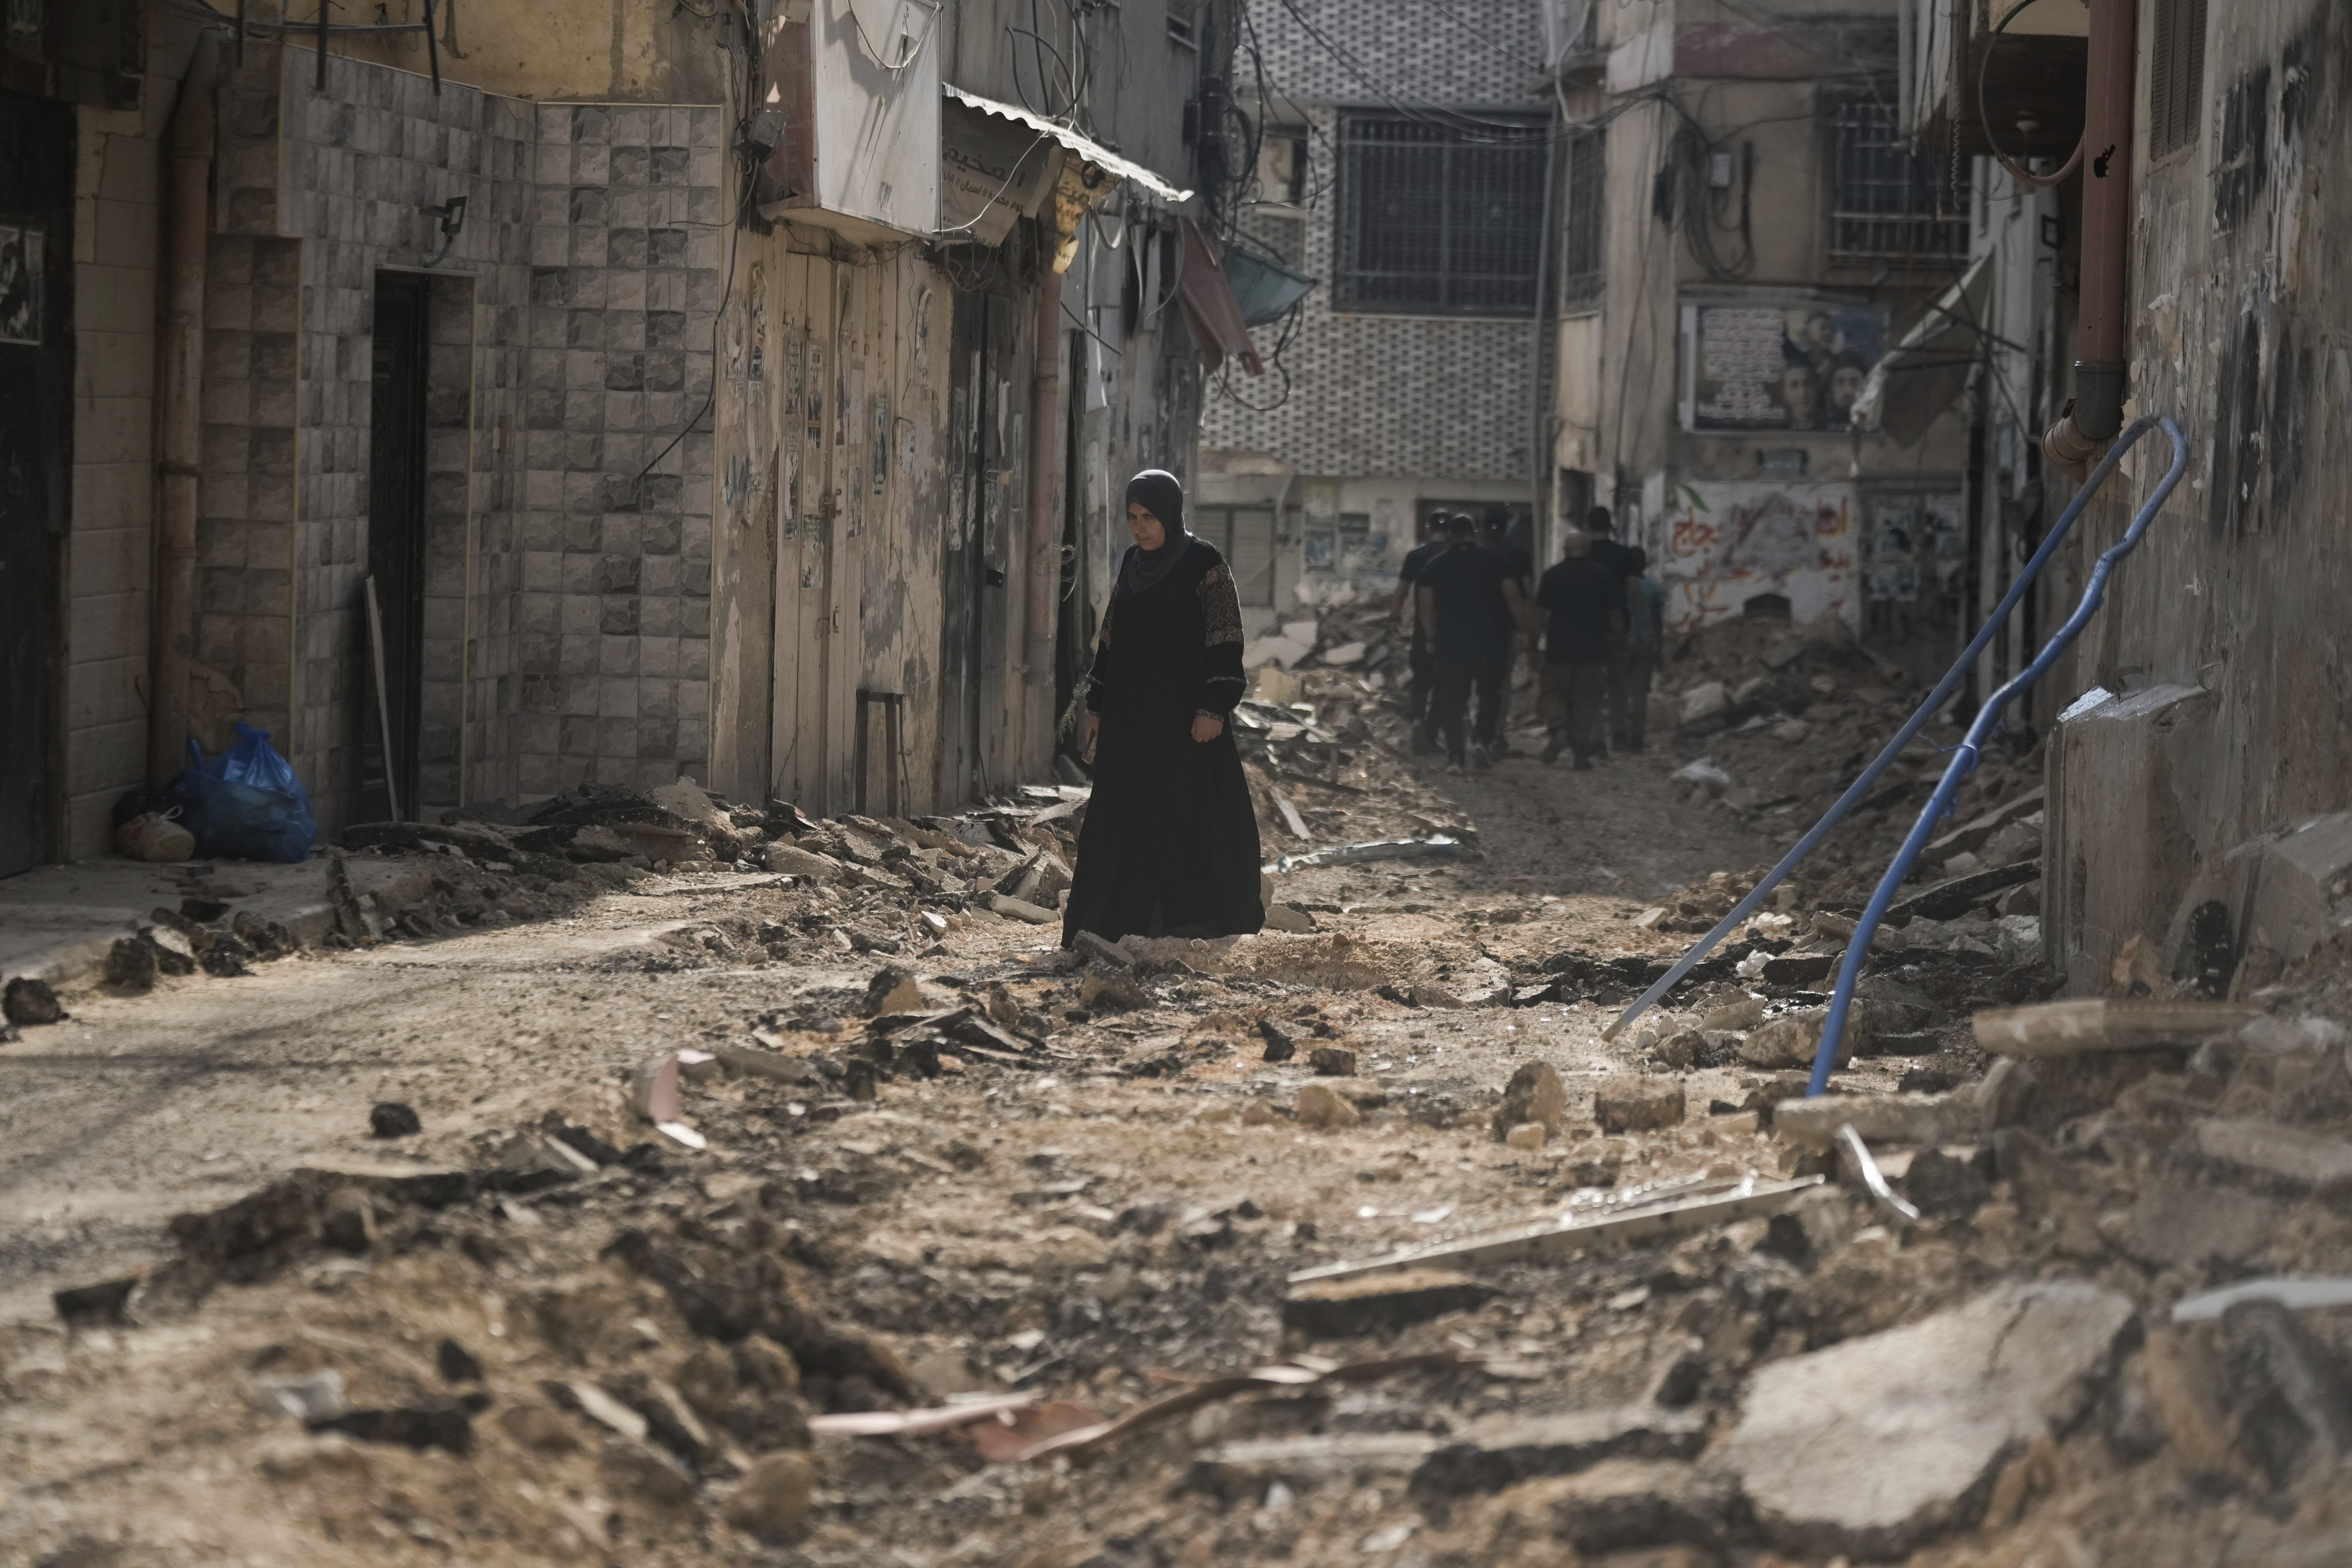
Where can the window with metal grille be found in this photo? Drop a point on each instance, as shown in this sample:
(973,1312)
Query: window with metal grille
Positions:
(1433,222)
(1892,204)
(2176,77)
(1244,536)
(1580,253)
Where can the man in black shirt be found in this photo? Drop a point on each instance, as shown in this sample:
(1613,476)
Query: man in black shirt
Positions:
(1420,664)
(1495,534)
(1626,563)
(1471,606)
(1583,603)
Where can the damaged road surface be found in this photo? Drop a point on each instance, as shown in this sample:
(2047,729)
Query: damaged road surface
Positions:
(788,1197)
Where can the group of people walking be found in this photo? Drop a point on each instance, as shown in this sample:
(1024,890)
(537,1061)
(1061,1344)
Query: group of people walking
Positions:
(1589,629)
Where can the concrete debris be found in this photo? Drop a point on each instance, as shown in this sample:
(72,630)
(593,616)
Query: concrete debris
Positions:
(1872,1446)
(392,1119)
(1535,1095)
(2285,1156)
(1638,1216)
(1332,1061)
(1283,918)
(1622,1504)
(1910,1120)
(1506,1451)
(2096,1024)
(1326,1109)
(1639,1108)
(1022,909)
(28,1001)
(1379,1303)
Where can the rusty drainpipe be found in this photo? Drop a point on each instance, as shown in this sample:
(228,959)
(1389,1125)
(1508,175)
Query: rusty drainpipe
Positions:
(180,416)
(1044,443)
(2102,339)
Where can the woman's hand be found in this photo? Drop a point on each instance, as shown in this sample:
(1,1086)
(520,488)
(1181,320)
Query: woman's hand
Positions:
(1093,728)
(1206,729)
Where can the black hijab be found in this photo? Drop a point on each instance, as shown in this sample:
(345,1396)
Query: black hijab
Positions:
(1162,495)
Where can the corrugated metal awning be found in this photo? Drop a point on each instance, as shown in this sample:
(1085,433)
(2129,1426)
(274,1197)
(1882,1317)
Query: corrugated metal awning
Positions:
(1093,152)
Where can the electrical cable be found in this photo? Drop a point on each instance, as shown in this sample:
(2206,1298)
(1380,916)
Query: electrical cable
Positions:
(1984,122)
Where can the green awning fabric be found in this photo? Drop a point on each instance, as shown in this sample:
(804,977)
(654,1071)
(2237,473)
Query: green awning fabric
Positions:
(1263,286)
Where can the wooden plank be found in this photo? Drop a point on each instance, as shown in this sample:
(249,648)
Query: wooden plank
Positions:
(2096,1024)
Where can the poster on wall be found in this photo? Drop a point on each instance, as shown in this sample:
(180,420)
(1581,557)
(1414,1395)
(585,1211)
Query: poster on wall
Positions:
(1793,367)
(22,273)
(1732,542)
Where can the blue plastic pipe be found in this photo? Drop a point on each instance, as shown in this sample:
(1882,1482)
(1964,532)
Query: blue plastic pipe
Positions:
(1903,737)
(1964,760)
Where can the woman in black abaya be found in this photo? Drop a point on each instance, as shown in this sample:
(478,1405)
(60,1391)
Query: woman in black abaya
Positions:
(1170,845)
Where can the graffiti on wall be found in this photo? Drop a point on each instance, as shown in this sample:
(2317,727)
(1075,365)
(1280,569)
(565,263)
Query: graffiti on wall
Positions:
(1729,541)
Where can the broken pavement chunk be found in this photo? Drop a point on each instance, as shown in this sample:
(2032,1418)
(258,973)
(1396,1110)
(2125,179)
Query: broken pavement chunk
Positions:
(1379,1303)
(28,1001)
(1534,1094)
(1325,1108)
(1290,921)
(1639,1107)
(797,862)
(1873,1445)
(1898,1119)
(1504,1451)
(1022,909)
(2083,1025)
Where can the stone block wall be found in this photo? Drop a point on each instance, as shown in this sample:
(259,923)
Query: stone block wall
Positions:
(566,596)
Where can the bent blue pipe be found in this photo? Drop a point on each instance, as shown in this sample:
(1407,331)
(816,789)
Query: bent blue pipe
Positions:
(1903,737)
(1964,760)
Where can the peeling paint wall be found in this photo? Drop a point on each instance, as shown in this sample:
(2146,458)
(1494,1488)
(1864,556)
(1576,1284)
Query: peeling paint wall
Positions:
(2243,332)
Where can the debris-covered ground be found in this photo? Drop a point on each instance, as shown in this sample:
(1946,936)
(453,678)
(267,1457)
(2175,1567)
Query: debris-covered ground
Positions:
(680,1180)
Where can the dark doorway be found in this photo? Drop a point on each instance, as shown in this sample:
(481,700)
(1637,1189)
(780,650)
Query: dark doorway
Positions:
(395,554)
(988,445)
(37,164)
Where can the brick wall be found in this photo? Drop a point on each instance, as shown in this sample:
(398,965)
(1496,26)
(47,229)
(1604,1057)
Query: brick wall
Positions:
(1378,395)
(566,604)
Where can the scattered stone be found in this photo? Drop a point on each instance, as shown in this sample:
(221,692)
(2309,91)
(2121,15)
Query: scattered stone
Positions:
(2170,1227)
(28,1001)
(1639,1108)
(1503,1451)
(1790,1040)
(1902,1120)
(131,965)
(1262,1113)
(2287,1156)
(96,1306)
(1681,1051)
(1291,921)
(1322,1108)
(1792,731)
(1433,997)
(1941,1186)
(797,862)
(1022,909)
(1872,1446)
(1527,1136)
(539,1429)
(774,1495)
(1708,700)
(457,1363)
(1379,1303)
(892,990)
(1534,1094)
(1117,991)
(1623,1503)
(1745,1014)
(1332,1061)
(1092,945)
(2295,1395)
(392,1119)
(1800,968)
(410,1426)
(174,953)
(1279,1045)
(1948,900)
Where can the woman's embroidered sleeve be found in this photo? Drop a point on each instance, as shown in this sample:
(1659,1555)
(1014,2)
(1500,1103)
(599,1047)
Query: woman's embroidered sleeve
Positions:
(1220,618)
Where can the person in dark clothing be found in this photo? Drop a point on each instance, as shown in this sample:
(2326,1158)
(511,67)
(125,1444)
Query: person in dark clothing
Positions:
(1627,562)
(1495,533)
(1170,845)
(1583,610)
(1472,607)
(1420,664)
(1644,638)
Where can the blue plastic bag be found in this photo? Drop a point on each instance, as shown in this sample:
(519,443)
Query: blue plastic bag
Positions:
(247,803)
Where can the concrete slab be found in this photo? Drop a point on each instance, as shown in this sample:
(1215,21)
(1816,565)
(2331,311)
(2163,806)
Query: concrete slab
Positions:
(57,923)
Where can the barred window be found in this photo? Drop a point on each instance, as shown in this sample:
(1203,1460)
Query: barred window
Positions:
(2176,77)
(1431,222)
(1892,204)
(1244,536)
(1581,257)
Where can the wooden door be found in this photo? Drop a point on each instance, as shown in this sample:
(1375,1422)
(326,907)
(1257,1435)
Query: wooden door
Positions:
(806,602)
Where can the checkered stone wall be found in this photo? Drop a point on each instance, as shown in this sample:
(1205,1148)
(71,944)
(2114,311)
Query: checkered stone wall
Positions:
(1373,395)
(571,321)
